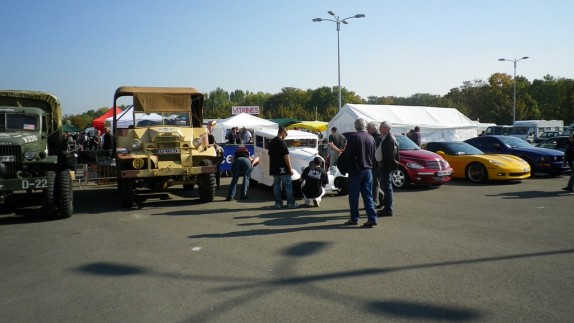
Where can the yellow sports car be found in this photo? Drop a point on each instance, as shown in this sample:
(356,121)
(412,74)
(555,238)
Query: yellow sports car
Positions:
(471,163)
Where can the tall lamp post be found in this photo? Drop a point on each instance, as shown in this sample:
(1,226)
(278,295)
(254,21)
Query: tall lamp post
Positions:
(339,22)
(514,95)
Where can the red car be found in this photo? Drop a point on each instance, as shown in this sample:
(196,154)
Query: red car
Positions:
(418,166)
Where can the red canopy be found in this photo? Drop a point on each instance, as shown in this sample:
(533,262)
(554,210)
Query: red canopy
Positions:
(99,122)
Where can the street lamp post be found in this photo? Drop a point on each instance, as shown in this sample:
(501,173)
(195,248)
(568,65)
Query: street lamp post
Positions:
(339,22)
(514,94)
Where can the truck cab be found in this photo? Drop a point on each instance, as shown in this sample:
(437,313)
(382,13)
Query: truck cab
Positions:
(303,148)
(529,130)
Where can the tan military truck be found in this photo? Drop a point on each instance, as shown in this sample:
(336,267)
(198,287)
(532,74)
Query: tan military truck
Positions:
(164,144)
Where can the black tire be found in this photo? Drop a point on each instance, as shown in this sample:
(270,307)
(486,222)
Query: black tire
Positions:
(49,203)
(65,195)
(476,173)
(127,192)
(296,185)
(530,163)
(400,178)
(206,184)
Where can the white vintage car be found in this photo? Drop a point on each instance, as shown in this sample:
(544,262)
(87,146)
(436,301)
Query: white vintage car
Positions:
(303,148)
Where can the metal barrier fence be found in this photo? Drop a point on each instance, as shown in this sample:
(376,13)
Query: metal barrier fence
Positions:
(95,173)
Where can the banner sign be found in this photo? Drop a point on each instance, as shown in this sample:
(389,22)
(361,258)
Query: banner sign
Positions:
(245,109)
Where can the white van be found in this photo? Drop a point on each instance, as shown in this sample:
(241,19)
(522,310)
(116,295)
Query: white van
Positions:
(303,148)
(531,129)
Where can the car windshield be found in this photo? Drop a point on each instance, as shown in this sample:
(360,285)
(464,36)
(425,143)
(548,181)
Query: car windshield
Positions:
(461,148)
(405,143)
(18,122)
(301,143)
(513,142)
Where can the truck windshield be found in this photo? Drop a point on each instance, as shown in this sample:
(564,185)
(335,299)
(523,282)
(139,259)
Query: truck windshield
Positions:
(520,130)
(18,122)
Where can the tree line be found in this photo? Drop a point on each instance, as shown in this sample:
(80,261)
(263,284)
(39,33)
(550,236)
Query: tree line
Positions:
(487,101)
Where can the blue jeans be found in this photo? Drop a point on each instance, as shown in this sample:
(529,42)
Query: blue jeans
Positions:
(287,186)
(240,166)
(362,183)
(387,188)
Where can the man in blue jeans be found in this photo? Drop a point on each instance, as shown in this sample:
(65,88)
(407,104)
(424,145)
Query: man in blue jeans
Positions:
(359,155)
(280,169)
(241,166)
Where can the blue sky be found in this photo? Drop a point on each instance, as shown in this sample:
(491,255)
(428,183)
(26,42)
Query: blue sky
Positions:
(81,51)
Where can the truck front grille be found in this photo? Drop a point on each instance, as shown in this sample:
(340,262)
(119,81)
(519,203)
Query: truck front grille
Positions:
(11,158)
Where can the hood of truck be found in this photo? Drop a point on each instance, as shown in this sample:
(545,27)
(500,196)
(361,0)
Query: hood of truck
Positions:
(15,138)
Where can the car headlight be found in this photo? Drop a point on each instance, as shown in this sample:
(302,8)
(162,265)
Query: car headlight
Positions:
(414,165)
(29,155)
(496,162)
(136,144)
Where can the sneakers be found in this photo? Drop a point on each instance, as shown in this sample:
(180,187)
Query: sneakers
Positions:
(293,206)
(278,206)
(351,222)
(316,203)
(566,188)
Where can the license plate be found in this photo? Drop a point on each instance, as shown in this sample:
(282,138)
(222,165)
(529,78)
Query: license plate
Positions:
(443,173)
(10,158)
(167,151)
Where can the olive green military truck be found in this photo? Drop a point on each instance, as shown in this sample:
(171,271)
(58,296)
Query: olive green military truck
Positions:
(161,142)
(32,153)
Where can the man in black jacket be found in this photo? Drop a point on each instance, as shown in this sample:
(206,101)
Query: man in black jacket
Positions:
(387,166)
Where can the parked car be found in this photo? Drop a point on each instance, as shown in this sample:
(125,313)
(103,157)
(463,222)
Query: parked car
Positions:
(557,143)
(545,135)
(303,148)
(472,164)
(418,166)
(540,159)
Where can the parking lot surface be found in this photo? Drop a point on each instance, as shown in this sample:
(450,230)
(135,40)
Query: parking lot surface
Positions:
(501,252)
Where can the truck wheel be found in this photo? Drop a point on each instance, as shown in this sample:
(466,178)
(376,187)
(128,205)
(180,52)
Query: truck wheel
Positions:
(206,184)
(49,195)
(65,195)
(343,185)
(127,192)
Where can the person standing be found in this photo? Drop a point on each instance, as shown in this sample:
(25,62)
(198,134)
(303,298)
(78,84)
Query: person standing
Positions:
(211,140)
(247,136)
(359,155)
(233,137)
(242,165)
(337,143)
(372,129)
(314,180)
(388,164)
(280,169)
(569,158)
(416,137)
(107,140)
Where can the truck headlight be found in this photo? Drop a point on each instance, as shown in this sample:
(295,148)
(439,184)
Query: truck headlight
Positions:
(196,142)
(29,155)
(136,144)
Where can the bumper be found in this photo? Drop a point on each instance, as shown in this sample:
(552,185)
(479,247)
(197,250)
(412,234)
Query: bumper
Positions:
(20,184)
(169,172)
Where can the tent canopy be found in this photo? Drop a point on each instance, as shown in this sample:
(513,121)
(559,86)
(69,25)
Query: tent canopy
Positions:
(241,120)
(99,122)
(437,124)
(284,122)
(314,126)
(126,118)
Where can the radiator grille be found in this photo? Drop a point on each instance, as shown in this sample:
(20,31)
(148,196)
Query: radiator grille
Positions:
(11,153)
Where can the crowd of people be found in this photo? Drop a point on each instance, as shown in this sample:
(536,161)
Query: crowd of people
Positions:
(82,141)
(369,156)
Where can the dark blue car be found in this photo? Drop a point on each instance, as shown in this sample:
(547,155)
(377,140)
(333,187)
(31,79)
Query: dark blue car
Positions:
(540,159)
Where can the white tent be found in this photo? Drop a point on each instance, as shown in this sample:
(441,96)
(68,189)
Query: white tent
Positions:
(437,124)
(126,119)
(241,120)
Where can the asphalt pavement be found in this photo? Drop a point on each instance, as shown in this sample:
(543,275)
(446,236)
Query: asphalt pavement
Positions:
(499,252)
